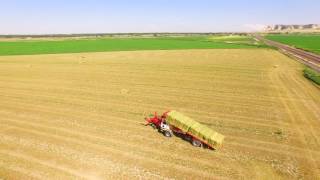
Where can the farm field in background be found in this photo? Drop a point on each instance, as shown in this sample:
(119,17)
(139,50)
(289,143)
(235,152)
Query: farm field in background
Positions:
(237,39)
(57,46)
(309,42)
(81,115)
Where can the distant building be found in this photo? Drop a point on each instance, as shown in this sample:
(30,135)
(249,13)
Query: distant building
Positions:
(281,27)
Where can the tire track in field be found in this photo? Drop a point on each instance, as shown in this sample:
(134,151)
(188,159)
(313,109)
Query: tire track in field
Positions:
(16,173)
(65,113)
(311,92)
(112,103)
(51,126)
(203,116)
(154,97)
(94,139)
(309,106)
(142,136)
(118,85)
(127,105)
(150,139)
(261,126)
(135,90)
(131,84)
(42,163)
(147,81)
(190,73)
(115,153)
(270,152)
(276,76)
(93,128)
(97,103)
(268,149)
(282,149)
(3,127)
(202,77)
(311,109)
(304,121)
(81,115)
(132,95)
(76,158)
(36,173)
(135,87)
(118,122)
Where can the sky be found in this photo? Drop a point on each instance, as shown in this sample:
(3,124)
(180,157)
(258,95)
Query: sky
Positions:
(122,16)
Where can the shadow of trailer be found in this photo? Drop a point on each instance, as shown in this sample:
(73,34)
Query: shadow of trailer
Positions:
(175,123)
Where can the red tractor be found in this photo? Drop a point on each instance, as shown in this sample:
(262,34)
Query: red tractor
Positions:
(159,122)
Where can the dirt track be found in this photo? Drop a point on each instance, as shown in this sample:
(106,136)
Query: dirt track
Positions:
(80,115)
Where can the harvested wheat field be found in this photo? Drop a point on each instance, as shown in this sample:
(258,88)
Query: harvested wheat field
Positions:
(80,116)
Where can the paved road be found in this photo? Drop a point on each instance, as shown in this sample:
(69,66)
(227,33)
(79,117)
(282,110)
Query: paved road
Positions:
(310,59)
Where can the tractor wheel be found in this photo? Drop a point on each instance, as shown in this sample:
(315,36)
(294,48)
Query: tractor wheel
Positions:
(196,143)
(167,134)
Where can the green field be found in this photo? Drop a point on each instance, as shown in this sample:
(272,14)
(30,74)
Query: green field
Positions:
(303,41)
(232,39)
(52,46)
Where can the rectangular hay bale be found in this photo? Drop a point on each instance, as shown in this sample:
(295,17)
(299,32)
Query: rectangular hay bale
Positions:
(196,129)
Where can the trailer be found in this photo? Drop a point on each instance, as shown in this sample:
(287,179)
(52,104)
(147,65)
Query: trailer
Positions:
(174,123)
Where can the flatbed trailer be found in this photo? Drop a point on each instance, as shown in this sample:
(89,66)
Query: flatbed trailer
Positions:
(173,122)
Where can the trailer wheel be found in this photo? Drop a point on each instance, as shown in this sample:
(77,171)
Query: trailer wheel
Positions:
(167,134)
(196,143)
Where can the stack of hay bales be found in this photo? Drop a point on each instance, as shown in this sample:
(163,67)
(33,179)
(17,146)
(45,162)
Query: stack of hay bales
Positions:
(194,128)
